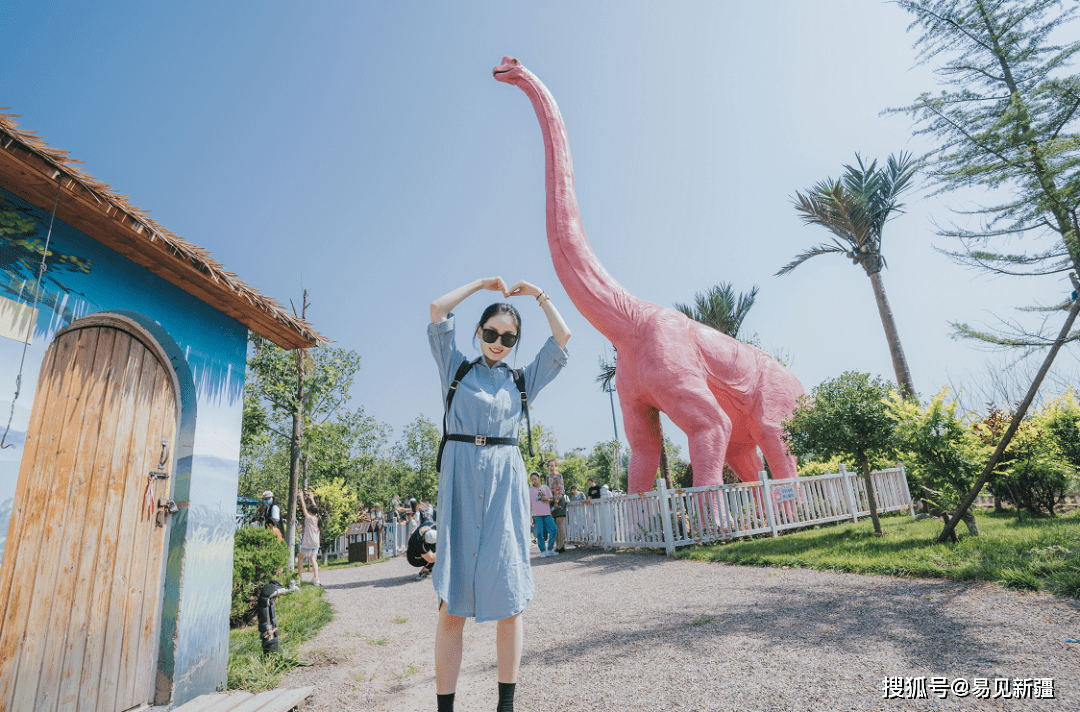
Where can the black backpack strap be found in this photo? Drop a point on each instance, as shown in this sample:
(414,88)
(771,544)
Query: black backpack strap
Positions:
(519,379)
(461,371)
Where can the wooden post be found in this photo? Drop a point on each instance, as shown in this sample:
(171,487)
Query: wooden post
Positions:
(606,515)
(849,494)
(767,500)
(665,516)
(907,491)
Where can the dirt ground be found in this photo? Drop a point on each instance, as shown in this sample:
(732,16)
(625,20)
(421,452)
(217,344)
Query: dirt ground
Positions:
(617,631)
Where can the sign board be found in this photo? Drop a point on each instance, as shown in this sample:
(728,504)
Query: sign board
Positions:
(783,493)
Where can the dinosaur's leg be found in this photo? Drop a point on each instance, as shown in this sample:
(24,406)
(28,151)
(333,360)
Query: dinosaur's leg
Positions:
(769,431)
(642,426)
(707,428)
(743,458)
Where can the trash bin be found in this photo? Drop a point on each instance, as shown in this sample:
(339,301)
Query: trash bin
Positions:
(363,542)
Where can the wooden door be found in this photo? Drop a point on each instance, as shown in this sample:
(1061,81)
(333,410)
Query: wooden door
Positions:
(80,584)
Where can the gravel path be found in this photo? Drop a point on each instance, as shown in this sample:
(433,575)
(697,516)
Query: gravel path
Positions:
(637,631)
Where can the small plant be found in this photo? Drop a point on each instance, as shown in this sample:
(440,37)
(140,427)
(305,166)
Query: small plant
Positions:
(400,619)
(701,620)
(410,670)
(379,641)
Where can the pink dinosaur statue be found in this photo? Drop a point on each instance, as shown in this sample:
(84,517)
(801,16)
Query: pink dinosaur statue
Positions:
(729,398)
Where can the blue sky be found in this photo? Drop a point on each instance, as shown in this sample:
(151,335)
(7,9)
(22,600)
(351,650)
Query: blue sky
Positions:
(364,151)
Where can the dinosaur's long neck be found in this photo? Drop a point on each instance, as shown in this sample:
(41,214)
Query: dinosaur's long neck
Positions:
(604,302)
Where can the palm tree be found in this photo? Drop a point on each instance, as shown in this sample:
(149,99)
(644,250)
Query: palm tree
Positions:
(719,308)
(855,209)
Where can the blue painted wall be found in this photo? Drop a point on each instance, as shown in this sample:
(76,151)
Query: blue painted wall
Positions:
(85,277)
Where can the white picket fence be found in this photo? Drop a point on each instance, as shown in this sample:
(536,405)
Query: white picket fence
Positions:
(667,518)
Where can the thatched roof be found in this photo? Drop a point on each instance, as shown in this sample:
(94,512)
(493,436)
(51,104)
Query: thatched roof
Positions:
(31,169)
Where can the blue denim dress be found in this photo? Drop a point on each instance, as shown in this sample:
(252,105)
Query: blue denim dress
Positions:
(482,566)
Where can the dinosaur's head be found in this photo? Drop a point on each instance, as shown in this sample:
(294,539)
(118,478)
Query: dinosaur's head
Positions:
(510,71)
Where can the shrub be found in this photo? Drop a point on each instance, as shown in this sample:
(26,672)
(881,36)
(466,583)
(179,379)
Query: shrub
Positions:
(845,416)
(1033,474)
(257,556)
(943,456)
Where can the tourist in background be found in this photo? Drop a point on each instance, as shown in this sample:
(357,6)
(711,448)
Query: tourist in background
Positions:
(543,524)
(558,503)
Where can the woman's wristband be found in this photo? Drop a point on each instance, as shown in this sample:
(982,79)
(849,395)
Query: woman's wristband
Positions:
(546,298)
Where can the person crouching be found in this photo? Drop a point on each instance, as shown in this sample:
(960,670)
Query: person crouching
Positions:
(421,551)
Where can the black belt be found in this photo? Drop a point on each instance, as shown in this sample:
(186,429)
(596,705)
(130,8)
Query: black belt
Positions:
(481,440)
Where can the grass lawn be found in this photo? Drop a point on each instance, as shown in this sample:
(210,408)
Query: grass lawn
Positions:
(300,616)
(1034,555)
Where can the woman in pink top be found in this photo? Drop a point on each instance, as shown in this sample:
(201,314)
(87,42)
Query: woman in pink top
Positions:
(543,524)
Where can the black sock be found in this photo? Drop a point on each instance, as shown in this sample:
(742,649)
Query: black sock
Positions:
(446,702)
(506,697)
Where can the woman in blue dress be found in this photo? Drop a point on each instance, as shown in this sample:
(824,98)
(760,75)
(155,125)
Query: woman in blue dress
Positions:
(482,570)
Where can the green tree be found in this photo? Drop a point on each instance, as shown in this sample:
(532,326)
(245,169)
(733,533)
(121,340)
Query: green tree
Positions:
(941,452)
(601,463)
(338,509)
(574,467)
(341,447)
(855,208)
(848,416)
(417,451)
(545,447)
(1004,124)
(1063,421)
(299,389)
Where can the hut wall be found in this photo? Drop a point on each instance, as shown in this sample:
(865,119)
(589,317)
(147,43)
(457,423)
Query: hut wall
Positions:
(85,277)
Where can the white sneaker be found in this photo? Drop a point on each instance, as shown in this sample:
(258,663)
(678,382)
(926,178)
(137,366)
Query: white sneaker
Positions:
(553,553)
(543,554)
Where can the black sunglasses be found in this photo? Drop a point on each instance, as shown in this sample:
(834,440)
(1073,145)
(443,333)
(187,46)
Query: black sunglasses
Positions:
(490,335)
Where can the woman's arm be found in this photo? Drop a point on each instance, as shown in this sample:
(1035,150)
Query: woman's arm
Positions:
(441,307)
(559,330)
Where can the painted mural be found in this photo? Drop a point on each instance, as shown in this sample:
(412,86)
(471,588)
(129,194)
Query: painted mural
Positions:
(83,277)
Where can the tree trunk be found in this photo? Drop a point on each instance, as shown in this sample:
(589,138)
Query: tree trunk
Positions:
(871,498)
(1018,416)
(294,446)
(294,474)
(665,469)
(900,366)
